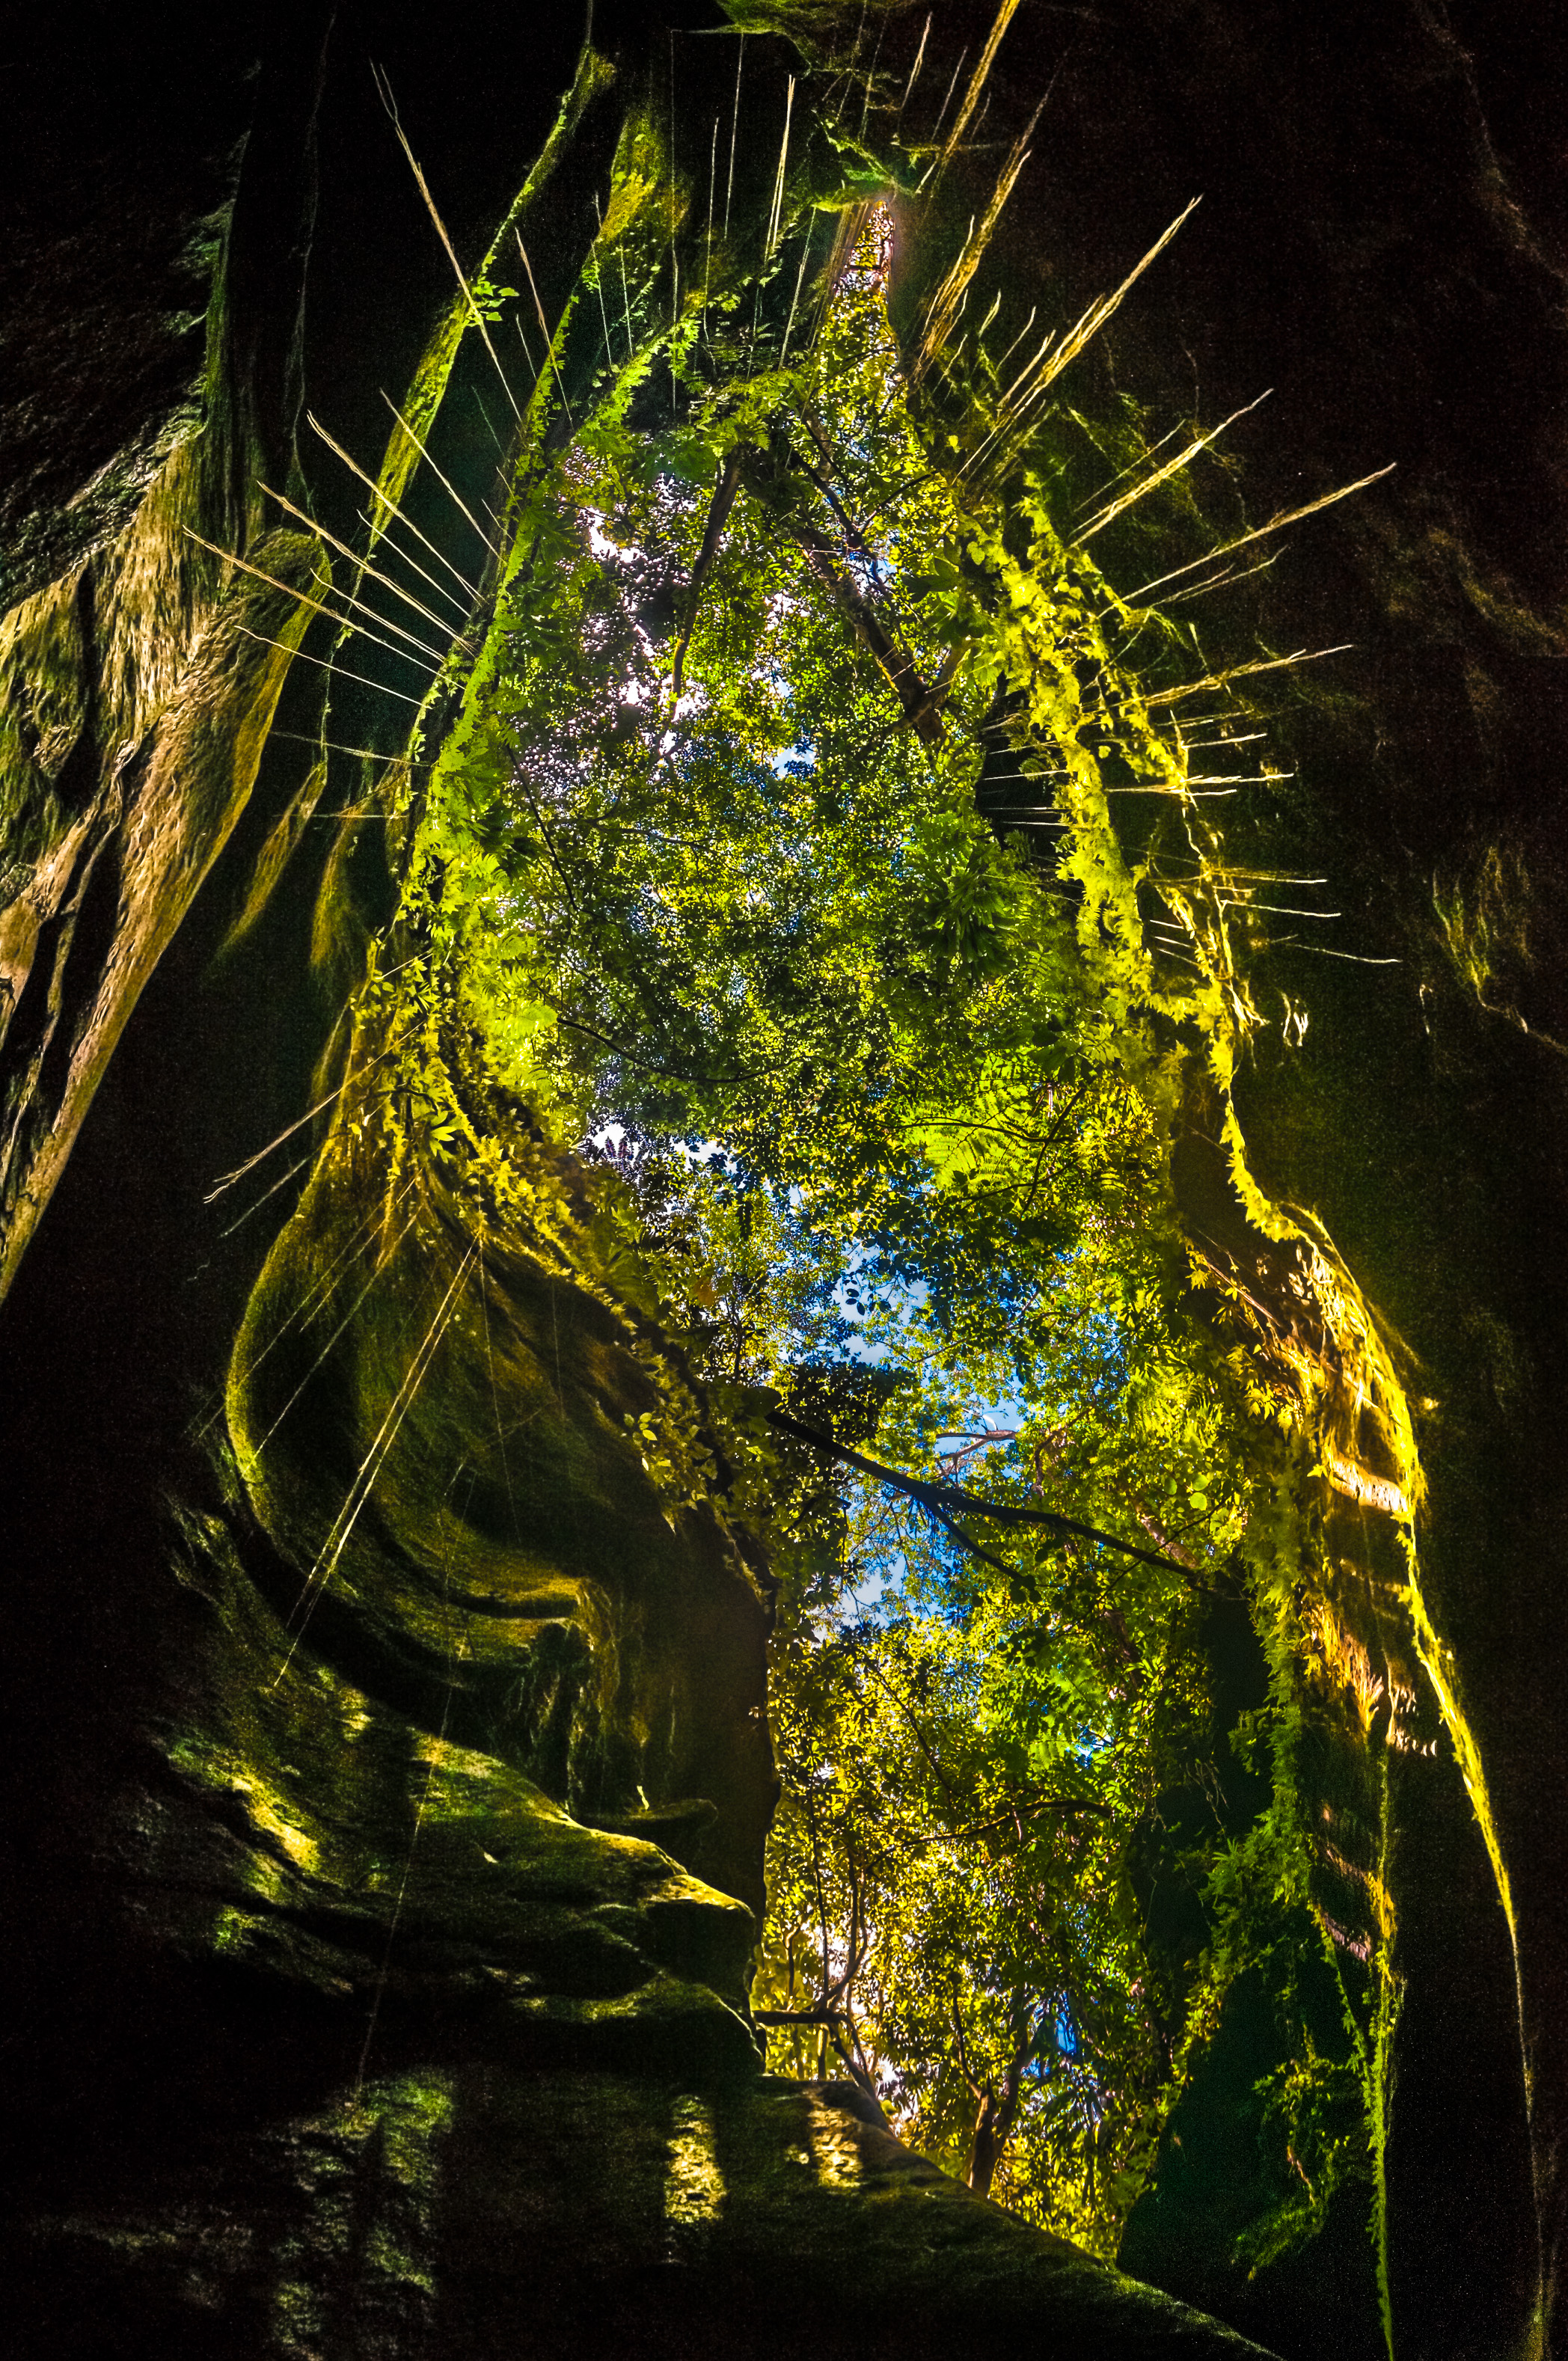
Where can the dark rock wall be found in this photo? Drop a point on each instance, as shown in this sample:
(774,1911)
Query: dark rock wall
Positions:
(1381,240)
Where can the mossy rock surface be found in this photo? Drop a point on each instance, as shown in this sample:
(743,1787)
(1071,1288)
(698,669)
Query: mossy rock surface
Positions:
(485,2210)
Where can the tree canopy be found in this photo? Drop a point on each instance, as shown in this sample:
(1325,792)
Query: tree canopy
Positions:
(816,842)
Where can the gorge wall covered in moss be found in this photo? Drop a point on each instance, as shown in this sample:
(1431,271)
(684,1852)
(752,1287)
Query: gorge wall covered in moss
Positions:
(385,1857)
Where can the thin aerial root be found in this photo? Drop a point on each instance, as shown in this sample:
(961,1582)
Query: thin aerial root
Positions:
(914,70)
(1236,672)
(1321,950)
(339,672)
(344,623)
(942,315)
(321,1286)
(1107,515)
(795,299)
(389,504)
(331,746)
(495,1403)
(358,1237)
(364,1482)
(1131,466)
(1015,405)
(383,534)
(604,316)
(385,89)
(774,215)
(1221,581)
(356,559)
(1005,17)
(544,325)
(734,133)
(429,463)
(337,1332)
(226,1180)
(942,110)
(266,1193)
(1275,524)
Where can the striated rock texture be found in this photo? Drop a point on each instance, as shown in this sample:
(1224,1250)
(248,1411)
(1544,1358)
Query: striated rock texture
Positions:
(435,1439)
(377,1950)
(136,686)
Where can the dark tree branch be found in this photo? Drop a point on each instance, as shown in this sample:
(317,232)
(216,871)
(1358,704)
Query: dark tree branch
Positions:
(771,486)
(942,1502)
(644,1065)
(921,706)
(719,511)
(993,2124)
(1069,1806)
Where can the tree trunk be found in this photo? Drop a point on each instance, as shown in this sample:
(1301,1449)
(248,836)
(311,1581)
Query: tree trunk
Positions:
(986,2147)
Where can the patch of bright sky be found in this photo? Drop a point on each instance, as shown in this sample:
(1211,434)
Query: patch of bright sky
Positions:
(790,760)
(896,1308)
(877,1323)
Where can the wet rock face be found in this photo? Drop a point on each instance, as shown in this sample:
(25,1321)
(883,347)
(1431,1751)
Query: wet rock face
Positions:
(290,1826)
(380,1946)
(1381,240)
(294,1827)
(134,718)
(438,1445)
(361,2044)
